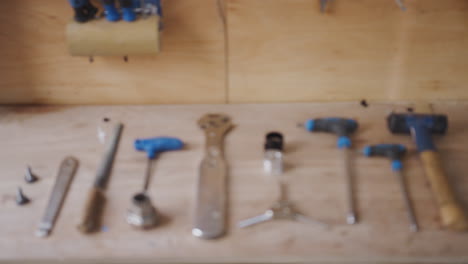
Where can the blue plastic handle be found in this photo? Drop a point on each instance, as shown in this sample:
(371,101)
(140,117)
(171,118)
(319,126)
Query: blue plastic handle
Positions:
(112,14)
(78,3)
(154,146)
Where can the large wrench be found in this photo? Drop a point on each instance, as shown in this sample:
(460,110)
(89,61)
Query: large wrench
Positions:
(210,208)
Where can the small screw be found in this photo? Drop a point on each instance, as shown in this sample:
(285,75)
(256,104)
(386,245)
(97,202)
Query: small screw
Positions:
(21,199)
(30,177)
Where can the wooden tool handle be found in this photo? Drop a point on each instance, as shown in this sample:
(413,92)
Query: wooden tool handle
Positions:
(93,211)
(451,212)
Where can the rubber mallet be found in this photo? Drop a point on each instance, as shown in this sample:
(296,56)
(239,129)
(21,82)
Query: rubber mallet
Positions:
(421,127)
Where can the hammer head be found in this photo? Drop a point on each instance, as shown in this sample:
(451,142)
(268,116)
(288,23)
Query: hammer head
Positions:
(403,123)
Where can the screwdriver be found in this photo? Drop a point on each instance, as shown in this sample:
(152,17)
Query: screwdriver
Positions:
(84,10)
(395,152)
(112,14)
(343,128)
(128,12)
(153,147)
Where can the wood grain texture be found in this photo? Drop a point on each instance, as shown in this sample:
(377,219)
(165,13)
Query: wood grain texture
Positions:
(101,38)
(286,51)
(42,136)
(36,66)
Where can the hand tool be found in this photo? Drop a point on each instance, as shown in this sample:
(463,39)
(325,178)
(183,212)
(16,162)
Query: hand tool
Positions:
(65,175)
(421,126)
(112,14)
(30,177)
(395,152)
(84,10)
(96,199)
(343,128)
(128,12)
(273,157)
(211,200)
(282,208)
(21,199)
(142,213)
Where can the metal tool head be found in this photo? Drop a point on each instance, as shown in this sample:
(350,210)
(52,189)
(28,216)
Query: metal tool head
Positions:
(402,123)
(218,123)
(142,213)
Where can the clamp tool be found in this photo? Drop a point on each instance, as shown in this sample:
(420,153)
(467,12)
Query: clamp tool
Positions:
(395,152)
(343,128)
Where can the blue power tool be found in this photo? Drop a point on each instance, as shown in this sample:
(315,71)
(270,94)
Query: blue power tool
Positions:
(343,128)
(84,10)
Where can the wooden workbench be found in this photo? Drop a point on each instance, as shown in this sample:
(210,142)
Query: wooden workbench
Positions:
(43,136)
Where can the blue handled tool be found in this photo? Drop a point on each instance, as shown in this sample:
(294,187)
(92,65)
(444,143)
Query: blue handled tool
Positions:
(84,10)
(128,10)
(421,127)
(395,153)
(153,147)
(112,14)
(343,128)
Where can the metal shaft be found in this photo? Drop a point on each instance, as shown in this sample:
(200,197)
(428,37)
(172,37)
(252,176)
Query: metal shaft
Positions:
(103,172)
(351,216)
(149,169)
(409,206)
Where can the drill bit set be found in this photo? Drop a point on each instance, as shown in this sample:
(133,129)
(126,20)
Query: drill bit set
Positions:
(211,201)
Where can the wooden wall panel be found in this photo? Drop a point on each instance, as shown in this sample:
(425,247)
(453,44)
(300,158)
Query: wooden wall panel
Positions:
(36,68)
(285,50)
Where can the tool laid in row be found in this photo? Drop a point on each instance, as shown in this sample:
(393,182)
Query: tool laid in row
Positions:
(142,213)
(421,127)
(343,128)
(282,208)
(59,191)
(211,201)
(96,197)
(395,153)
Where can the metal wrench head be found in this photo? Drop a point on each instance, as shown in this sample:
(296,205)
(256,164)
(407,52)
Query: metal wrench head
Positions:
(218,123)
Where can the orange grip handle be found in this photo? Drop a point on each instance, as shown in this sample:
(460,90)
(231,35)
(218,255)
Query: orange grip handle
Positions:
(451,212)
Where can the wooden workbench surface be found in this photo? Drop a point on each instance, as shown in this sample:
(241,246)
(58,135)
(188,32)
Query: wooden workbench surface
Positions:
(43,136)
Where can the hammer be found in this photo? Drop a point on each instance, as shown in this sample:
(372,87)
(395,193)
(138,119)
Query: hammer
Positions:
(421,127)
(343,128)
(395,152)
